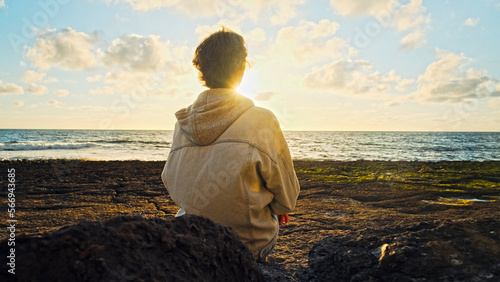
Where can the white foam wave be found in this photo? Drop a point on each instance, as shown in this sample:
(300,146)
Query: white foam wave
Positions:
(38,147)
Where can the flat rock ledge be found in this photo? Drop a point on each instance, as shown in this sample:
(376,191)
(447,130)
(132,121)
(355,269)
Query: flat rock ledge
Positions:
(466,250)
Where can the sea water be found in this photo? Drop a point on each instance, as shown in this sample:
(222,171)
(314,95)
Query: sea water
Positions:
(310,145)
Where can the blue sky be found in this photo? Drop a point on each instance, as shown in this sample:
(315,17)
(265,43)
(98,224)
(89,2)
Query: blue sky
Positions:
(318,65)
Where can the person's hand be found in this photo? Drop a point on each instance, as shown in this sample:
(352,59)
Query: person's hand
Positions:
(283,218)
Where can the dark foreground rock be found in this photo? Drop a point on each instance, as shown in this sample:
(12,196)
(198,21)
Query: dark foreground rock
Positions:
(428,251)
(125,248)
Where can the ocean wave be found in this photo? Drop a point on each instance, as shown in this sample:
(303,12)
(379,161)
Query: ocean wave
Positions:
(38,147)
(124,141)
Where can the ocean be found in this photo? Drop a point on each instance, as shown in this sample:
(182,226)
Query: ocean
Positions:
(309,145)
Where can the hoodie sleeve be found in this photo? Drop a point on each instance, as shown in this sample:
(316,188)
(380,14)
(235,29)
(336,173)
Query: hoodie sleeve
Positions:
(284,185)
(279,176)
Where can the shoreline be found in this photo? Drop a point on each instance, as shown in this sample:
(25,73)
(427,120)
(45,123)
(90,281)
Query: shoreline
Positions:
(338,198)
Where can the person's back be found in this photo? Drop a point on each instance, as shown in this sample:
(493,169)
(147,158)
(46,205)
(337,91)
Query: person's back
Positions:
(229,160)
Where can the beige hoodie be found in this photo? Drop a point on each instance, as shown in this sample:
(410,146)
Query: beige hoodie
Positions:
(230,162)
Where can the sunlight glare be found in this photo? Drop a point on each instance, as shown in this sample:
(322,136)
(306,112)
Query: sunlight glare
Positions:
(249,85)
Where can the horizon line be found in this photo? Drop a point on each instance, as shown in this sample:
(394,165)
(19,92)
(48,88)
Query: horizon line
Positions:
(291,130)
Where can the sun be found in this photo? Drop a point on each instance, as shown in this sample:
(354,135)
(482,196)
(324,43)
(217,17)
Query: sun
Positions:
(250,83)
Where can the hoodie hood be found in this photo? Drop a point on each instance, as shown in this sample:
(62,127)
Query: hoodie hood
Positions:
(211,114)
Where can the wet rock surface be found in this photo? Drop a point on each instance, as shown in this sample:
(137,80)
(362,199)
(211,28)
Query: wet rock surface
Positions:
(428,251)
(125,248)
(423,213)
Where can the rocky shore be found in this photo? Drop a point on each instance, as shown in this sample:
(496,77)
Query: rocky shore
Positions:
(354,221)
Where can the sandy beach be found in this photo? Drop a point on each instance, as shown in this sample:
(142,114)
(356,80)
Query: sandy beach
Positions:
(363,202)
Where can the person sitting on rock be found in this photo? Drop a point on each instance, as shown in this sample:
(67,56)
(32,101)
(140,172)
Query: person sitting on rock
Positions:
(229,160)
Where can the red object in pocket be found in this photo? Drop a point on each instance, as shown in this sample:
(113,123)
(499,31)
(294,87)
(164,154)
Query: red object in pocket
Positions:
(283,218)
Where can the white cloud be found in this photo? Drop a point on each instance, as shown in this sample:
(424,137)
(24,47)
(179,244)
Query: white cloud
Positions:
(308,43)
(497,90)
(2,3)
(411,17)
(449,81)
(361,8)
(37,89)
(18,103)
(276,11)
(94,78)
(257,35)
(413,40)
(10,88)
(351,77)
(204,31)
(179,61)
(388,12)
(494,103)
(62,93)
(286,11)
(201,8)
(134,83)
(193,8)
(143,64)
(102,90)
(403,84)
(136,53)
(264,96)
(133,61)
(55,103)
(66,48)
(129,79)
(32,76)
(389,104)
(471,22)
(94,108)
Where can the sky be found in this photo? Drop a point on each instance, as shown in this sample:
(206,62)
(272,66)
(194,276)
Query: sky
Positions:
(343,65)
